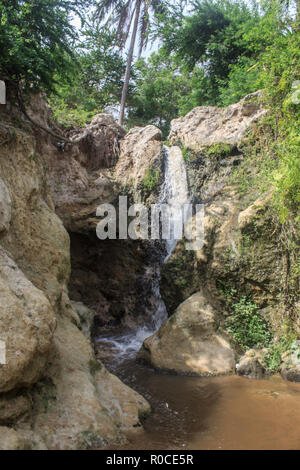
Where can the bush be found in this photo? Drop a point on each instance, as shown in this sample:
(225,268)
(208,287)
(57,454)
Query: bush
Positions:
(246,326)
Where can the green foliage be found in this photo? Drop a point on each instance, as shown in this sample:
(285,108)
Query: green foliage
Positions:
(242,80)
(151,179)
(273,356)
(246,326)
(35,41)
(160,88)
(211,44)
(219,150)
(95,84)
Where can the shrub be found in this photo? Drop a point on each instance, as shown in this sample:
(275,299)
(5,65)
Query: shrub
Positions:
(247,326)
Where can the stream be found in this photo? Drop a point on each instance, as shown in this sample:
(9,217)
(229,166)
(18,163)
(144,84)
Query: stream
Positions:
(204,413)
(228,412)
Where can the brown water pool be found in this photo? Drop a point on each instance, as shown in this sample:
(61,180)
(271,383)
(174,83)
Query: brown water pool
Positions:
(212,413)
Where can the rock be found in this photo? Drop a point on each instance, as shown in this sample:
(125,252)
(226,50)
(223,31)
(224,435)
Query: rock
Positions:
(12,408)
(27,324)
(86,317)
(290,369)
(140,159)
(189,342)
(208,125)
(11,440)
(79,176)
(244,258)
(36,240)
(250,365)
(100,146)
(46,351)
(113,393)
(5,207)
(253,215)
(80,405)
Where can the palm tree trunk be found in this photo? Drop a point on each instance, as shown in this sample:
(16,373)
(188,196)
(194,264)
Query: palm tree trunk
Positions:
(129,61)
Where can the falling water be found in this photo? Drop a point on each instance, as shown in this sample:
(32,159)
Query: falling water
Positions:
(175,189)
(123,345)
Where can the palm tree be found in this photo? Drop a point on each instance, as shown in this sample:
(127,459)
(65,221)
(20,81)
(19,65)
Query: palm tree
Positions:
(124,13)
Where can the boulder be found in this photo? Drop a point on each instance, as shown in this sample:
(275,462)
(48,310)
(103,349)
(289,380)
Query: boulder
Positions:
(27,324)
(290,369)
(79,404)
(189,342)
(209,125)
(251,365)
(140,160)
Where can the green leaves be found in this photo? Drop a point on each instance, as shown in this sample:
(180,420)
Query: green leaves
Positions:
(246,326)
(95,84)
(36,41)
(159,91)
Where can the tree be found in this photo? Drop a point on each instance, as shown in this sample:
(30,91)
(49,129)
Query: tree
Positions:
(129,14)
(213,35)
(35,41)
(160,89)
(94,84)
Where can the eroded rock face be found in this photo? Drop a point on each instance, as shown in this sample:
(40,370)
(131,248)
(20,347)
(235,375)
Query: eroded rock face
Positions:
(75,406)
(79,174)
(190,343)
(139,167)
(27,325)
(99,142)
(36,240)
(5,208)
(49,394)
(11,440)
(113,277)
(208,125)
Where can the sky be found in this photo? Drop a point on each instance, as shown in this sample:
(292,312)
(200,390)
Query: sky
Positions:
(152,47)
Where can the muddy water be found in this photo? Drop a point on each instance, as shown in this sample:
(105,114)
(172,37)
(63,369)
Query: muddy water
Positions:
(208,413)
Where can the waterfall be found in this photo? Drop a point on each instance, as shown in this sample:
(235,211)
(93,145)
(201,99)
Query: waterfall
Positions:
(175,189)
(174,192)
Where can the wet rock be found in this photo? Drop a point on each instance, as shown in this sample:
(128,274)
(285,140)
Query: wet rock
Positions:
(290,369)
(86,317)
(134,406)
(250,365)
(190,343)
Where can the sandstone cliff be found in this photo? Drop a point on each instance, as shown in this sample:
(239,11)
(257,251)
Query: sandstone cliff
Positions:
(243,255)
(54,394)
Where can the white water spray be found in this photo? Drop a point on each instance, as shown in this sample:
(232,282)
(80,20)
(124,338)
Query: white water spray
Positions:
(175,189)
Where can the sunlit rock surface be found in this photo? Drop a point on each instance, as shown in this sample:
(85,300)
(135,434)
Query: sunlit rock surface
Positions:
(189,342)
